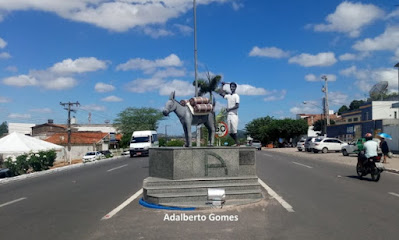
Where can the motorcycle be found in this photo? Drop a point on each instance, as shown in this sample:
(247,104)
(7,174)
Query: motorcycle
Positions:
(370,166)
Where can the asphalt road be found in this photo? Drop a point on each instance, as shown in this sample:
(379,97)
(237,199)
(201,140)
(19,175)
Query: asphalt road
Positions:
(328,200)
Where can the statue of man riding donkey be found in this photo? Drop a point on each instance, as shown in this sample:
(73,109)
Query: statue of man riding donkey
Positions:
(200,110)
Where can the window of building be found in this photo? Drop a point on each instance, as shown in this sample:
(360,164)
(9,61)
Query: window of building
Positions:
(356,119)
(350,120)
(395,115)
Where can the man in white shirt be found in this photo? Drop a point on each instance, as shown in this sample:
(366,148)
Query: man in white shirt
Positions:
(370,146)
(233,103)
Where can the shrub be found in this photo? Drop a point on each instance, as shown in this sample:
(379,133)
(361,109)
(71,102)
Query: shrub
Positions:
(42,160)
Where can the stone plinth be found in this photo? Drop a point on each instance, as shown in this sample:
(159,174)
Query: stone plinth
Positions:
(182,163)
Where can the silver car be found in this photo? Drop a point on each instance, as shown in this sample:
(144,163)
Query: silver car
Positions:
(301,145)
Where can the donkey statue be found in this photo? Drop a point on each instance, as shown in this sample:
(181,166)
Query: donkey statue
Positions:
(187,119)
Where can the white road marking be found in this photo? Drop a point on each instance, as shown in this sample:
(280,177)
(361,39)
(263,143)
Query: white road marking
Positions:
(302,164)
(11,202)
(112,169)
(395,194)
(123,205)
(272,193)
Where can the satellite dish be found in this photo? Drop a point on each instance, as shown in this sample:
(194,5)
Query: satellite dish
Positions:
(378,90)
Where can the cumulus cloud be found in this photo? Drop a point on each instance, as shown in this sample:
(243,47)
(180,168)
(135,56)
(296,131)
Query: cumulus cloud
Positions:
(112,99)
(350,18)
(149,66)
(271,52)
(20,81)
(5,55)
(311,107)
(245,89)
(57,77)
(93,107)
(308,60)
(80,65)
(367,78)
(389,40)
(114,15)
(4,100)
(157,33)
(19,116)
(103,87)
(144,85)
(347,57)
(181,88)
(184,29)
(237,6)
(337,99)
(3,43)
(169,72)
(311,78)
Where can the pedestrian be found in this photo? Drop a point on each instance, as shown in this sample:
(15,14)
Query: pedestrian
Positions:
(384,149)
(233,103)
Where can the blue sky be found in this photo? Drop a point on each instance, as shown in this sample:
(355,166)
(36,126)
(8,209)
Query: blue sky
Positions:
(114,54)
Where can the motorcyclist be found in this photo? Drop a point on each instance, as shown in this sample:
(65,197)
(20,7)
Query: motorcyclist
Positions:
(370,148)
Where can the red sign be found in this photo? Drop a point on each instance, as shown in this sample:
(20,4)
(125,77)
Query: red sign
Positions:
(221,129)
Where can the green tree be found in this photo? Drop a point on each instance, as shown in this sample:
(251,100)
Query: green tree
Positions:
(257,128)
(355,104)
(136,119)
(3,129)
(319,124)
(342,109)
(209,85)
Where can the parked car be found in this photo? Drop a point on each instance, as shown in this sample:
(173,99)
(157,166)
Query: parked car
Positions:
(107,153)
(328,144)
(353,147)
(5,172)
(301,145)
(257,144)
(124,153)
(309,141)
(92,156)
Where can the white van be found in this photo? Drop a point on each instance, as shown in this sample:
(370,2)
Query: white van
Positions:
(141,142)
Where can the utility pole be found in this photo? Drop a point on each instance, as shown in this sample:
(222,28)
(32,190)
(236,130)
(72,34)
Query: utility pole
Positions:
(67,106)
(325,90)
(198,128)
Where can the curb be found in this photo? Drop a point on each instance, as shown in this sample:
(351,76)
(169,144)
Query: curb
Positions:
(4,181)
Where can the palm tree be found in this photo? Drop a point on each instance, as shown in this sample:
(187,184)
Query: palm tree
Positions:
(208,86)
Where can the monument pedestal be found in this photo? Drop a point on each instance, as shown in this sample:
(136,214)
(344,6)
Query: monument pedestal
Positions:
(181,176)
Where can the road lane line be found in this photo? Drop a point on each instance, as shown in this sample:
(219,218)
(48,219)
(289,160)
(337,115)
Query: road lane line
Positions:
(112,169)
(123,205)
(272,193)
(395,194)
(11,202)
(302,164)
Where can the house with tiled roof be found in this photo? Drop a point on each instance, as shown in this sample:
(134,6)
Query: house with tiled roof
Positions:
(82,142)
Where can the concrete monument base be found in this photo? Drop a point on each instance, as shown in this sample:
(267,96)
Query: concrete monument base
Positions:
(181,176)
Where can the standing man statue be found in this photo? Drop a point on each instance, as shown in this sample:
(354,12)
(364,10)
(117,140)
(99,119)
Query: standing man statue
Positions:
(233,103)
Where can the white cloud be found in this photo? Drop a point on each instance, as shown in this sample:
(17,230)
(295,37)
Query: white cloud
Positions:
(149,66)
(157,33)
(3,43)
(237,6)
(41,110)
(169,72)
(321,59)
(112,99)
(347,57)
(389,40)
(103,87)
(93,107)
(181,88)
(311,78)
(5,55)
(60,83)
(115,15)
(80,65)
(337,99)
(20,81)
(12,69)
(366,78)
(245,89)
(19,116)
(350,18)
(311,107)
(4,100)
(144,85)
(186,30)
(275,95)
(271,52)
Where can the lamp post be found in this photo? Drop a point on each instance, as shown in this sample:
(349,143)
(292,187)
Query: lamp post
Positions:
(198,129)
(323,125)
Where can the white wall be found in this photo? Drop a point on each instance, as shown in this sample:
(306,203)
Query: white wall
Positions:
(384,110)
(24,128)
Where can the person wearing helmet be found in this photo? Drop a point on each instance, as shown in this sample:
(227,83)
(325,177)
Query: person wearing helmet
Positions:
(233,103)
(370,149)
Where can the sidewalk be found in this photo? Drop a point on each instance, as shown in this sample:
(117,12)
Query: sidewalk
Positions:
(391,166)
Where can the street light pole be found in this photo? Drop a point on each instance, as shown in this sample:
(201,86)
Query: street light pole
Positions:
(325,90)
(198,129)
